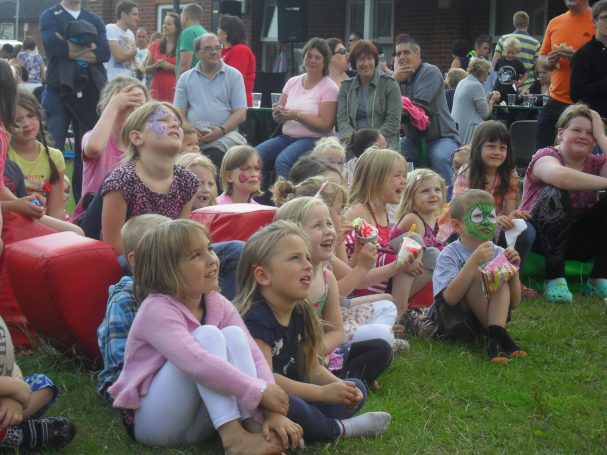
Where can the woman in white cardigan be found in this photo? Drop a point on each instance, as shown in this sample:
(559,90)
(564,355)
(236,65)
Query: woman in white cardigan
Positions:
(470,104)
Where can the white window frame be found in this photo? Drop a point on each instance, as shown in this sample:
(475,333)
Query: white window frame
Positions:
(492,21)
(369,21)
(159,14)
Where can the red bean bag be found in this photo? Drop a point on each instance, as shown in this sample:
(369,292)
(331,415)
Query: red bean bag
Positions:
(234,221)
(15,228)
(61,281)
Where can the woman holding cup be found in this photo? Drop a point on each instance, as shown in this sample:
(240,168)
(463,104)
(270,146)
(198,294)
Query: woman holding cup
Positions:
(470,104)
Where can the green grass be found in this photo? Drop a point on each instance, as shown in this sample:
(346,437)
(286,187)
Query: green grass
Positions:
(444,397)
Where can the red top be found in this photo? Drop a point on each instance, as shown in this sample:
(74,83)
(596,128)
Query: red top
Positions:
(242,58)
(162,87)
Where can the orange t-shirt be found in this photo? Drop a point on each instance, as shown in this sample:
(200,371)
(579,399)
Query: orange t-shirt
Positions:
(575,31)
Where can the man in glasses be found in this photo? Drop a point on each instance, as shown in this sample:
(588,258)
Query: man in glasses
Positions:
(212,97)
(589,65)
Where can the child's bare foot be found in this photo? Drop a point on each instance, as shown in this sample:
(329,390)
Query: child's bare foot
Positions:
(398,330)
(375,385)
(241,442)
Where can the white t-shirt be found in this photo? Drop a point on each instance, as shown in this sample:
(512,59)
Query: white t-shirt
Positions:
(126,41)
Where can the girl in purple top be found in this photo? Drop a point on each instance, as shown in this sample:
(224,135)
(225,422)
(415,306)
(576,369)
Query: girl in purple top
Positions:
(149,181)
(190,365)
(240,175)
(561,192)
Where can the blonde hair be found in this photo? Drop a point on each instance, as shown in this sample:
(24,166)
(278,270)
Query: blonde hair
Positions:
(137,122)
(134,229)
(512,43)
(371,173)
(461,202)
(258,252)
(298,208)
(67,185)
(188,128)
(571,112)
(235,157)
(158,257)
(478,67)
(115,84)
(454,76)
(192,159)
(284,190)
(414,180)
(324,144)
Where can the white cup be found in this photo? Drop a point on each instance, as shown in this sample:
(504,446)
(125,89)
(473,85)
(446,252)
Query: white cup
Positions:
(256,100)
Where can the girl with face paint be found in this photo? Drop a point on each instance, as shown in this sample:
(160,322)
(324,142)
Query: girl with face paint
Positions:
(460,308)
(492,168)
(240,175)
(149,181)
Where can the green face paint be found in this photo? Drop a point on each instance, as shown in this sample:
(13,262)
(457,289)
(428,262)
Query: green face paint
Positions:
(480,221)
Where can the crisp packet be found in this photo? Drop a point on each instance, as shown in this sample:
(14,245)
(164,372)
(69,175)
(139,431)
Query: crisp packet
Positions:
(445,227)
(365,232)
(499,271)
(407,247)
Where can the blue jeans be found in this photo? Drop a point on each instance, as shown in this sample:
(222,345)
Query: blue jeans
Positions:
(229,254)
(58,120)
(523,243)
(439,155)
(281,152)
(318,420)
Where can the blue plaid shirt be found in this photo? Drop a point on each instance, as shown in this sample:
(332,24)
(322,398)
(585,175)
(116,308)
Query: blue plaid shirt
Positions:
(113,331)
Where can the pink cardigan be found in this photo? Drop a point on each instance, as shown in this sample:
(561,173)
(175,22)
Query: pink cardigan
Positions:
(162,331)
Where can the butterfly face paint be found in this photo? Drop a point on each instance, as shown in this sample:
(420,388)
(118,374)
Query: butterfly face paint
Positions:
(480,221)
(159,121)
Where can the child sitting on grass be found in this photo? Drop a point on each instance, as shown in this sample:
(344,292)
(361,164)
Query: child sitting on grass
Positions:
(190,139)
(460,308)
(23,400)
(330,150)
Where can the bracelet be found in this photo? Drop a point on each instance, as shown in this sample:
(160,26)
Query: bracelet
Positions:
(223,130)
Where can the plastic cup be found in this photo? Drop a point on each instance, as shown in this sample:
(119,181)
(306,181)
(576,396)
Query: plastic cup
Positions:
(528,100)
(545,99)
(256,100)
(275,98)
(407,248)
(511,99)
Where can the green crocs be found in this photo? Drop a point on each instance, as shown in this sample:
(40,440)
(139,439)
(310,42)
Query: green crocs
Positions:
(599,289)
(557,291)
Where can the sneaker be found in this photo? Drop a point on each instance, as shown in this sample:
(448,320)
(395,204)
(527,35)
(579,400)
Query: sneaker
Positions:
(47,433)
(557,291)
(599,288)
(528,293)
(497,353)
(400,345)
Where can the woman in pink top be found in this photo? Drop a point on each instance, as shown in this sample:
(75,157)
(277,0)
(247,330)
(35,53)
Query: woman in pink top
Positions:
(306,111)
(101,152)
(235,52)
(190,365)
(561,191)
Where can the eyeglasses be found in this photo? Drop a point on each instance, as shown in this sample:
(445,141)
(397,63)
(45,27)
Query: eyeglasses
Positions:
(342,51)
(208,49)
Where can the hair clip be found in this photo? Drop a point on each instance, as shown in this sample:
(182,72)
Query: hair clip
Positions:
(254,265)
(418,177)
(322,187)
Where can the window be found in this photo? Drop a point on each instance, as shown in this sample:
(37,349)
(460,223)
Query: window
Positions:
(374,18)
(502,12)
(161,13)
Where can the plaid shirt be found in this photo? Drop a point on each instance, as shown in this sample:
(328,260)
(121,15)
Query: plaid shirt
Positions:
(113,331)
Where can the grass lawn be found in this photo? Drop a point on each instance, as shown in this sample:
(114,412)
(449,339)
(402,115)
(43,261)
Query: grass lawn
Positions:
(443,397)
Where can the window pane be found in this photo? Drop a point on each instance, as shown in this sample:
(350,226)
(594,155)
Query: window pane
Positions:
(270,23)
(505,9)
(384,10)
(357,16)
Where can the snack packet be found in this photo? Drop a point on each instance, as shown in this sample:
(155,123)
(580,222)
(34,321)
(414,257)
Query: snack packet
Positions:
(365,233)
(445,227)
(498,272)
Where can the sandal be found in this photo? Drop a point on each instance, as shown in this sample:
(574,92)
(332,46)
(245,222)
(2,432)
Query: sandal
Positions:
(557,291)
(528,293)
(599,289)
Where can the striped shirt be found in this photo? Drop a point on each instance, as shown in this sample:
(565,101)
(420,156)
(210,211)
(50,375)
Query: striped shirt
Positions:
(530,51)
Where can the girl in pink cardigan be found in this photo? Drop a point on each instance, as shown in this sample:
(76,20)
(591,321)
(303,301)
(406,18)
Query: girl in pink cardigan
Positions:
(191,366)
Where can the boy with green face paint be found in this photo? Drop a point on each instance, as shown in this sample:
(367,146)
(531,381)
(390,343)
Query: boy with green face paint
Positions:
(460,309)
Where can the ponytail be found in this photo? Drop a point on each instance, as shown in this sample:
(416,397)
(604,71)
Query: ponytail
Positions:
(54,171)
(282,191)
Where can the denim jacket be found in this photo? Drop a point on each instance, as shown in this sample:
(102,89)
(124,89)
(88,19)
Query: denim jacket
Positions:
(384,107)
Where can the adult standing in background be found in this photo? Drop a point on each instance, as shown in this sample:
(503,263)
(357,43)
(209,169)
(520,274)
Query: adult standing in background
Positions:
(191,19)
(142,51)
(530,47)
(236,53)
(212,97)
(564,35)
(76,107)
(371,99)
(589,65)
(423,84)
(122,40)
(162,59)
(33,63)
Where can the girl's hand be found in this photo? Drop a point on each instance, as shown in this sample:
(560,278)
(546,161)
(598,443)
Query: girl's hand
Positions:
(339,392)
(341,231)
(367,255)
(523,214)
(512,256)
(357,399)
(285,429)
(275,399)
(416,268)
(504,222)
(128,97)
(598,127)
(26,207)
(11,412)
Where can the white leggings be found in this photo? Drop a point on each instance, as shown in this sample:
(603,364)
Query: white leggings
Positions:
(379,325)
(177,410)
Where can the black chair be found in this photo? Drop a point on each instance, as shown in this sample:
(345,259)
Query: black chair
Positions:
(523,137)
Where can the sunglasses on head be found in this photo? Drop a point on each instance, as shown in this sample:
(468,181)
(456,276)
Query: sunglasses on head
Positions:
(342,51)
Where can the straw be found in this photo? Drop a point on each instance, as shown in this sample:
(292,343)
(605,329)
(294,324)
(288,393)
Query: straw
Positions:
(412,230)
